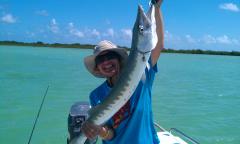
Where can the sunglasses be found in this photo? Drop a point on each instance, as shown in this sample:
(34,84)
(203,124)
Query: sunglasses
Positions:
(105,57)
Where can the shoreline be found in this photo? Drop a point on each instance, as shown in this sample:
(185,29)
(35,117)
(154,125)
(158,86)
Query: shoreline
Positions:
(90,46)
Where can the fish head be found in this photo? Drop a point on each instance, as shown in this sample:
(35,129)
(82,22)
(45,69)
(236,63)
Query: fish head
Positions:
(144,30)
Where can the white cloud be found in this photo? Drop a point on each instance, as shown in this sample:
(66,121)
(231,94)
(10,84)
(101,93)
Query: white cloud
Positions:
(224,40)
(74,31)
(54,22)
(54,26)
(42,13)
(229,6)
(127,33)
(208,39)
(95,33)
(190,39)
(8,18)
(110,32)
(169,37)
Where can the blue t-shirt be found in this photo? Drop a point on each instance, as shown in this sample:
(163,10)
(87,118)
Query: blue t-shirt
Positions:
(133,123)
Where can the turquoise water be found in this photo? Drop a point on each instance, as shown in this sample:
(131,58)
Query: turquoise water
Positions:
(198,94)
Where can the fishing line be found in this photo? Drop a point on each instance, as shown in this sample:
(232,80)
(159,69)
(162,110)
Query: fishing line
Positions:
(38,115)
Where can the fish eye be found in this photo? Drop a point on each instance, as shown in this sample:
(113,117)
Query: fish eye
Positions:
(141,29)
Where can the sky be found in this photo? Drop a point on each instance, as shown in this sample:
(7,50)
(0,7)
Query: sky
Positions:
(188,24)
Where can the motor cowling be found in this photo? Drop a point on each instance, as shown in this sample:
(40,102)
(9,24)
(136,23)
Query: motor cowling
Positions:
(77,115)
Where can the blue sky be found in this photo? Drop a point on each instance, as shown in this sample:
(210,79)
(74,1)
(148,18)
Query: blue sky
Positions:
(189,24)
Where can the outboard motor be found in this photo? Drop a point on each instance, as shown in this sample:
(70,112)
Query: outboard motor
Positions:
(77,115)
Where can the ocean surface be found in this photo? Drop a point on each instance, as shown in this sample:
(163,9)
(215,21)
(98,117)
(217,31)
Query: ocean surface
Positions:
(197,94)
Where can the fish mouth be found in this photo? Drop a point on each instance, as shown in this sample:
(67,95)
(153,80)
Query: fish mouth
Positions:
(145,20)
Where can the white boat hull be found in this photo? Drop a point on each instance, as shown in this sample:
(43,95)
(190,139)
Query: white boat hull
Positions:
(167,138)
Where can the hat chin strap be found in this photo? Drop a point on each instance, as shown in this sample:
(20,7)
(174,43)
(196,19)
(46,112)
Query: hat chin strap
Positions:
(110,81)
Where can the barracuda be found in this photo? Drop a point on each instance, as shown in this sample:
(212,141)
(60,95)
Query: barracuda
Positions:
(143,41)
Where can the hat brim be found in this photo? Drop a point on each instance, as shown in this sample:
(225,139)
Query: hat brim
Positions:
(90,64)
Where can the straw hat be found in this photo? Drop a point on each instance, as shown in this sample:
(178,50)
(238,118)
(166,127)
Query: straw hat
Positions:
(104,45)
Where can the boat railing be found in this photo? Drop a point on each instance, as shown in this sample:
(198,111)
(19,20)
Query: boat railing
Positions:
(159,127)
(183,135)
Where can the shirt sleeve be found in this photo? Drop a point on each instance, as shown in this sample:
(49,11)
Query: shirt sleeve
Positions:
(99,94)
(93,99)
